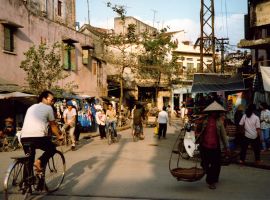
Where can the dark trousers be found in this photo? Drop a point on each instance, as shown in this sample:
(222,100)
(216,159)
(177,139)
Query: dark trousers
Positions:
(162,130)
(211,163)
(256,145)
(30,145)
(102,131)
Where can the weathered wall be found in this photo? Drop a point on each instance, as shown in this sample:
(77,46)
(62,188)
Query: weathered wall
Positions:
(35,30)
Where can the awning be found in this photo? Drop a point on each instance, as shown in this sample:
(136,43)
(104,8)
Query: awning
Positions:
(254,44)
(69,40)
(10,23)
(205,83)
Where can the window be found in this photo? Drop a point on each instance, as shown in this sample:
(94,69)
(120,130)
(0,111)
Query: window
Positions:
(198,67)
(70,57)
(59,8)
(9,38)
(190,65)
(190,59)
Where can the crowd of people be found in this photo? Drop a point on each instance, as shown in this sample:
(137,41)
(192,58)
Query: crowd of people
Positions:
(252,124)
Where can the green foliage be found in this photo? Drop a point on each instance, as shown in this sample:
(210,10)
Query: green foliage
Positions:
(43,67)
(119,9)
(154,59)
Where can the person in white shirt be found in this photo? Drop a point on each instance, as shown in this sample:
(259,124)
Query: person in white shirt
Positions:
(251,124)
(163,119)
(69,116)
(265,126)
(101,121)
(35,134)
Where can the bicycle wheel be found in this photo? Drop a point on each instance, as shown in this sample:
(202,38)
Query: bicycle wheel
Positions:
(109,136)
(55,172)
(14,186)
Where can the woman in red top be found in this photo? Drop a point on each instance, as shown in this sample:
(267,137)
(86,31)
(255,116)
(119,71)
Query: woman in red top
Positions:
(212,133)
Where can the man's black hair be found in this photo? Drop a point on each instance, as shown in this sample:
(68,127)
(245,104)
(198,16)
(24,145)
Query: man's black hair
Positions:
(44,94)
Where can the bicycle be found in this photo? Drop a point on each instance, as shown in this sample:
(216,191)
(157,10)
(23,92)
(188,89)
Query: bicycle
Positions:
(110,134)
(21,180)
(137,133)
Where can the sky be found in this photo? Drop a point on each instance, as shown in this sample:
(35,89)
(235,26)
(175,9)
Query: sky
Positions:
(176,14)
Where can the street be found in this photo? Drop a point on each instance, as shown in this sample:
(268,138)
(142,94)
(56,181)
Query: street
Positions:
(139,170)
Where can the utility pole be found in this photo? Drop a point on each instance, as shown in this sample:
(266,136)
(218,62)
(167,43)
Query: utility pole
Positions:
(154,17)
(207,37)
(222,42)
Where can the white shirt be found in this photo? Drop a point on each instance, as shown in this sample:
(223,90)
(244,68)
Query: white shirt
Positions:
(36,120)
(163,117)
(69,115)
(265,115)
(100,118)
(250,124)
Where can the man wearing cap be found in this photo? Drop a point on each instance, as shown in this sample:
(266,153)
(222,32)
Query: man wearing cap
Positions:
(212,134)
(69,116)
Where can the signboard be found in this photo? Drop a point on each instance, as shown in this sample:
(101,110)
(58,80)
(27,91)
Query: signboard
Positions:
(262,11)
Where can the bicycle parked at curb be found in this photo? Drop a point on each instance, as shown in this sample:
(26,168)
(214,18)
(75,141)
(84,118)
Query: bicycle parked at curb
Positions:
(21,180)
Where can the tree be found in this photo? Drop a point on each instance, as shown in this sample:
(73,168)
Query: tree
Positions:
(155,60)
(123,43)
(43,67)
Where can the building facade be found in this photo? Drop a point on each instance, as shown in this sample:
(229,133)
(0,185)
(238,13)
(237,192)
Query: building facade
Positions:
(188,57)
(37,21)
(257,32)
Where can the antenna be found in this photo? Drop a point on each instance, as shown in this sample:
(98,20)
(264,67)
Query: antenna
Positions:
(154,17)
(88,10)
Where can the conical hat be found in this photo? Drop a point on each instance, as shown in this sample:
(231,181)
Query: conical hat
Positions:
(214,107)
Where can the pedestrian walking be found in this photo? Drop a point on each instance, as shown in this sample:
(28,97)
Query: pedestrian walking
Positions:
(211,136)
(265,126)
(70,123)
(101,121)
(163,119)
(251,125)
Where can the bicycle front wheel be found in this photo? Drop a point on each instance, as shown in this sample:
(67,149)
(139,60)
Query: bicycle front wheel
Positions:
(55,172)
(109,136)
(14,186)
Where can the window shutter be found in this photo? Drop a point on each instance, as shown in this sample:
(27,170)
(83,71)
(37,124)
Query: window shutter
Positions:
(8,39)
(66,58)
(73,59)
(85,56)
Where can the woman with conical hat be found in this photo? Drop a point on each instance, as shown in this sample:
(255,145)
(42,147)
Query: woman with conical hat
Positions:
(212,135)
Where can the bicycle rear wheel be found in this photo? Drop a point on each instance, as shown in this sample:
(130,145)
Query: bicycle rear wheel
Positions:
(14,185)
(55,172)
(109,136)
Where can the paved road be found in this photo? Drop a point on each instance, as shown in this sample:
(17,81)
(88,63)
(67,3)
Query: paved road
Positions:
(139,170)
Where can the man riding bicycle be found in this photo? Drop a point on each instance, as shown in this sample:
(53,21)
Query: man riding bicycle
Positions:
(138,117)
(111,119)
(35,130)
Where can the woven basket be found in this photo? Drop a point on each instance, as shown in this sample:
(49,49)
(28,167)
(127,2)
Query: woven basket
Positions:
(188,174)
